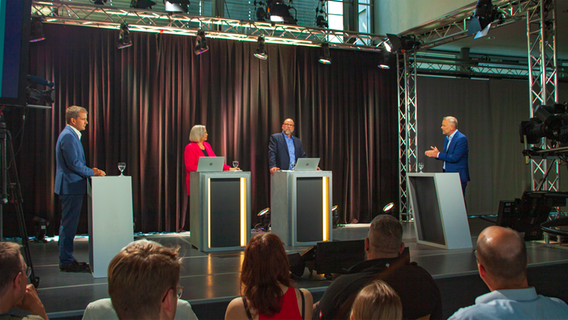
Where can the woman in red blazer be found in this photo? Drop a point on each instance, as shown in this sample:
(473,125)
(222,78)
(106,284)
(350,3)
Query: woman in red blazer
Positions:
(198,148)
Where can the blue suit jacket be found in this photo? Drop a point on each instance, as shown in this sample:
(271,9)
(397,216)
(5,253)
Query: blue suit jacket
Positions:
(455,156)
(278,155)
(71,171)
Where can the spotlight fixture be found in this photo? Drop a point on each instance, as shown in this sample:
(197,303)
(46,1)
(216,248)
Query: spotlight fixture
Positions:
(404,44)
(326,57)
(260,10)
(142,4)
(278,11)
(201,43)
(177,5)
(36,30)
(260,52)
(321,15)
(480,23)
(388,207)
(384,60)
(100,2)
(124,40)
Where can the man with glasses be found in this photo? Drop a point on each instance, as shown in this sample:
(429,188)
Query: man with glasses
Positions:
(14,290)
(501,256)
(284,149)
(143,283)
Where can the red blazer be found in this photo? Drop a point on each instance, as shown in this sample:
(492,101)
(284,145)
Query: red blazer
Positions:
(192,154)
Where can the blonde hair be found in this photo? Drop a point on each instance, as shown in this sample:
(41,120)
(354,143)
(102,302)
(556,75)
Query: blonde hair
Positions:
(138,277)
(196,133)
(452,121)
(377,301)
(73,112)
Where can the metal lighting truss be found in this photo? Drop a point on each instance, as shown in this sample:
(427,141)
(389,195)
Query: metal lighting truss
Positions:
(407,143)
(146,20)
(543,78)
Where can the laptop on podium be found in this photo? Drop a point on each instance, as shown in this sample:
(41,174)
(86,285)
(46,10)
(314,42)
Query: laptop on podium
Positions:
(210,164)
(307,164)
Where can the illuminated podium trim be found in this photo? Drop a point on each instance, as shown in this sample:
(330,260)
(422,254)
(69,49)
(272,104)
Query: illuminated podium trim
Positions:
(300,206)
(220,210)
(110,220)
(440,217)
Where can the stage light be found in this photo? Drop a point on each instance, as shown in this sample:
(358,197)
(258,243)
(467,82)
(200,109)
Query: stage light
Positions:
(142,4)
(321,22)
(325,58)
(177,5)
(403,44)
(100,2)
(480,23)
(201,43)
(388,207)
(384,60)
(36,30)
(124,40)
(278,11)
(260,10)
(321,15)
(260,52)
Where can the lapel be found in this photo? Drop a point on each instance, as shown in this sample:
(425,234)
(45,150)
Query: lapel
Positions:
(77,142)
(446,139)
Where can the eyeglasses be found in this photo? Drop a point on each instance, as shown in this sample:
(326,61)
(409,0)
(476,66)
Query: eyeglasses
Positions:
(179,291)
(286,124)
(28,272)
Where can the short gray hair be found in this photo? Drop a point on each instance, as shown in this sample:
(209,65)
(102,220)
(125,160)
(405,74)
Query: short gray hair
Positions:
(385,234)
(452,121)
(73,113)
(197,132)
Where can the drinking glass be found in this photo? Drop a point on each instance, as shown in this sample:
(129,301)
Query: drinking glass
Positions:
(235,164)
(420,166)
(121,167)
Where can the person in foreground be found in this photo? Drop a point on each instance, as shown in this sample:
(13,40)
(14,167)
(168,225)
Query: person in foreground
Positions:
(502,264)
(71,184)
(455,151)
(267,291)
(14,290)
(416,288)
(143,283)
(284,149)
(377,301)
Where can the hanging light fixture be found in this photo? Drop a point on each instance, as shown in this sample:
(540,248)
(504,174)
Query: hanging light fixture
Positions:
(260,52)
(177,5)
(325,58)
(124,40)
(36,30)
(142,4)
(201,43)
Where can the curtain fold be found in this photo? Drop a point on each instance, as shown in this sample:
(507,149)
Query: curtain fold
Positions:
(143,101)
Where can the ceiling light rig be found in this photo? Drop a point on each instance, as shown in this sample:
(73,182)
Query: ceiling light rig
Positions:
(408,43)
(36,30)
(480,23)
(260,9)
(325,58)
(201,43)
(321,14)
(177,5)
(260,52)
(278,11)
(142,4)
(124,40)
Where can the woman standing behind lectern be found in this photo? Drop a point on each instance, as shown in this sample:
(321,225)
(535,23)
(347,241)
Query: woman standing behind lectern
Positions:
(196,148)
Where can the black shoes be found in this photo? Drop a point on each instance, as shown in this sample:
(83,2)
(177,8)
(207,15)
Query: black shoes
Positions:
(76,266)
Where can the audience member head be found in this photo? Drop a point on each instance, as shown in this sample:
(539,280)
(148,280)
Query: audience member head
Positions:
(377,301)
(73,112)
(264,267)
(502,258)
(143,281)
(385,238)
(198,133)
(12,275)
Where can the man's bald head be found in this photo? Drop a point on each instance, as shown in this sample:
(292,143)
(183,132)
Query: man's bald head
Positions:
(503,254)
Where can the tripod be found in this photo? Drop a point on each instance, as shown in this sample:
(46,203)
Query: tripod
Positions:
(11,192)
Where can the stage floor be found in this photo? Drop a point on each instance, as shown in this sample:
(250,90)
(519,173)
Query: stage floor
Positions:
(214,278)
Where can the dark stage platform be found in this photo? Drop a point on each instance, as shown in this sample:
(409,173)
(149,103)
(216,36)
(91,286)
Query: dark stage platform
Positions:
(212,280)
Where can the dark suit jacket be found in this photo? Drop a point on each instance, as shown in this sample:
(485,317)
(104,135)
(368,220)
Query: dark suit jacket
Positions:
(71,169)
(455,156)
(278,155)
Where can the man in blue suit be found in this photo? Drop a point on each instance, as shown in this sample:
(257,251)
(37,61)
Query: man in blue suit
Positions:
(455,151)
(71,184)
(284,148)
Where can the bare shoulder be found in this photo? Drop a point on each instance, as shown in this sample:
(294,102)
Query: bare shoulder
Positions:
(308,303)
(236,310)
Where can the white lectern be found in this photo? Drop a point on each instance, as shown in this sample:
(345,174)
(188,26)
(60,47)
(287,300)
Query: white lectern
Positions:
(440,217)
(220,210)
(300,206)
(110,220)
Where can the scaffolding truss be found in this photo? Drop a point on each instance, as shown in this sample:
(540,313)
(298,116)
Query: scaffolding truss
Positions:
(543,79)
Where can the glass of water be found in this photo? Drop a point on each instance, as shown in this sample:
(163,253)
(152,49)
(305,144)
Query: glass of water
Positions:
(121,167)
(236,164)
(420,166)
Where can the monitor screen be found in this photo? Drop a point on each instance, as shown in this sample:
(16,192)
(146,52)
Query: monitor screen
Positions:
(14,50)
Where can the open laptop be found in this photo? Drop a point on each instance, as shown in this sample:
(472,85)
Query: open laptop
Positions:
(307,164)
(210,164)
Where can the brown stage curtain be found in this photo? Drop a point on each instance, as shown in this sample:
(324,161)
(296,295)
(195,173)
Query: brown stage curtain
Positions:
(143,101)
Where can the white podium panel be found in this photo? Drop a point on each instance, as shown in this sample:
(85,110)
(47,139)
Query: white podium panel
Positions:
(440,217)
(300,206)
(220,210)
(110,220)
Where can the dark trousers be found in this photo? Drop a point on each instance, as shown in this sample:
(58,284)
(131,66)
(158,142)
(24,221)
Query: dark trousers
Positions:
(464,184)
(70,212)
